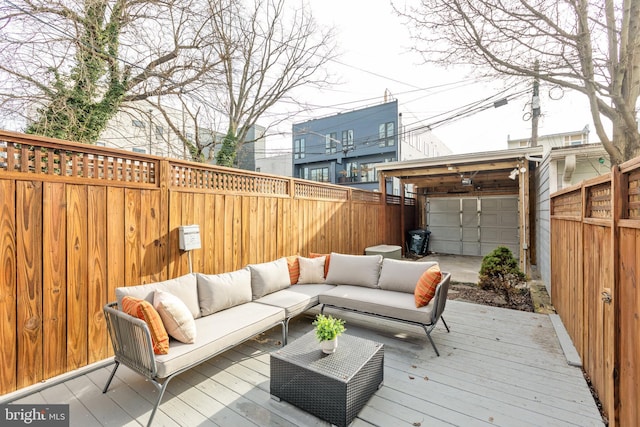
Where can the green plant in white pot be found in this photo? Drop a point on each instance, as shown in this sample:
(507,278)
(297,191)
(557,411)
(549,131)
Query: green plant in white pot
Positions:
(328,329)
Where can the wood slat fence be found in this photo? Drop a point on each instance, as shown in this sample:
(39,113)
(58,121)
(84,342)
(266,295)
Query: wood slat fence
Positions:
(77,221)
(595,262)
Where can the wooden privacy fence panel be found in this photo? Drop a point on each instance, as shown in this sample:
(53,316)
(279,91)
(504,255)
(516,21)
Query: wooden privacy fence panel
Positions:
(100,218)
(595,246)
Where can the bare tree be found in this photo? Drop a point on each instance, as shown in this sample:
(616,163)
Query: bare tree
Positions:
(69,66)
(592,47)
(267,50)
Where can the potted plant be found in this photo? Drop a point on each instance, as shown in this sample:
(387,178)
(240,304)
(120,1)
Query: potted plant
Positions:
(327,331)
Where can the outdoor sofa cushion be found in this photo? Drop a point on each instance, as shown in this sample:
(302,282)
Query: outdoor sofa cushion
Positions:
(217,332)
(184,287)
(296,298)
(176,317)
(401,275)
(397,305)
(294,269)
(311,270)
(357,270)
(220,291)
(426,286)
(142,309)
(269,277)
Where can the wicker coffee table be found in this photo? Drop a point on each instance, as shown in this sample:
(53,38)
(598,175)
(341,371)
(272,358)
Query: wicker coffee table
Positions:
(333,387)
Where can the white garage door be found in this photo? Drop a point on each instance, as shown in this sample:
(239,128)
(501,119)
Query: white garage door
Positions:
(472,226)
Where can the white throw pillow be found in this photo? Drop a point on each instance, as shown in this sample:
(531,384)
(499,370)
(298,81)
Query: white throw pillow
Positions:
(176,317)
(311,270)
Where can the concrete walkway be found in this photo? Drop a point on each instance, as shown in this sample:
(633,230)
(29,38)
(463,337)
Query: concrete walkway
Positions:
(463,268)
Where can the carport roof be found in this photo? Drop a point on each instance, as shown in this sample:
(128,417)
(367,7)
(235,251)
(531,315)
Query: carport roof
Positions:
(488,171)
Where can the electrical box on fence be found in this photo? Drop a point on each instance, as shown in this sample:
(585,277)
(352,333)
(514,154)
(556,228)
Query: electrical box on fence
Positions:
(189,237)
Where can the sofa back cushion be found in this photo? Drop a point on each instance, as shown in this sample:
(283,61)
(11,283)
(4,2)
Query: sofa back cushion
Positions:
(402,276)
(184,287)
(269,277)
(356,270)
(217,292)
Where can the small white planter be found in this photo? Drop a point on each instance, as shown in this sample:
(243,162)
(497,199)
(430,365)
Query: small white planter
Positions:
(329,346)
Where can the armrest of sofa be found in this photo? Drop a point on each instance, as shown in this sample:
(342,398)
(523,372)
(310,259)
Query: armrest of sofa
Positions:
(131,341)
(440,298)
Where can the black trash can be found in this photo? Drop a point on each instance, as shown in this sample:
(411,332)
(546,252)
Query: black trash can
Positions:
(418,241)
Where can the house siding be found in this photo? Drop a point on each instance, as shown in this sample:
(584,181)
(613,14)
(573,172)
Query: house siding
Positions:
(543,229)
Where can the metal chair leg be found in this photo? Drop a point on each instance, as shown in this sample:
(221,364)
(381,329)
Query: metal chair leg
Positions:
(433,344)
(285,331)
(161,388)
(445,323)
(106,387)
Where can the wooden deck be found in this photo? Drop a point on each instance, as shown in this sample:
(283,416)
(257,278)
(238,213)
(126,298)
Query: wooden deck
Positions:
(497,367)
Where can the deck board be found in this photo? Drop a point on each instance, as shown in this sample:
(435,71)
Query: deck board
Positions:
(498,367)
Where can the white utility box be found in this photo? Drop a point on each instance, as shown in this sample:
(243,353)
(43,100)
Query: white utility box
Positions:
(189,237)
(387,251)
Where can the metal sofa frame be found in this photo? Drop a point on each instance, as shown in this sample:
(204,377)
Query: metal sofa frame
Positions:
(133,348)
(439,302)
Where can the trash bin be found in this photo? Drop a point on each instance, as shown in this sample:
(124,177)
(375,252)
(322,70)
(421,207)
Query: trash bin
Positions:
(418,241)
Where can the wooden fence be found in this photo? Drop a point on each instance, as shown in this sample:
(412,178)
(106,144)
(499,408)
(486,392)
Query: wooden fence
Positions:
(595,257)
(77,221)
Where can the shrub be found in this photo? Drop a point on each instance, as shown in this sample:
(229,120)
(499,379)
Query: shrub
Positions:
(500,272)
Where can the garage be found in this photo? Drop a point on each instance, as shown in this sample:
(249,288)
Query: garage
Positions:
(472,203)
(472,225)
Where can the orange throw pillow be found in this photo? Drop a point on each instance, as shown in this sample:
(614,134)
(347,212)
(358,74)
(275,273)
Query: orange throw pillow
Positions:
(142,309)
(294,268)
(326,261)
(426,286)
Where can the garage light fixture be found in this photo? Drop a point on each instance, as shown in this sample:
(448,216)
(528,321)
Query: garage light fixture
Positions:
(517,171)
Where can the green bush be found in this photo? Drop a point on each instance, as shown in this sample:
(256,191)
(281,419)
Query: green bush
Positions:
(500,272)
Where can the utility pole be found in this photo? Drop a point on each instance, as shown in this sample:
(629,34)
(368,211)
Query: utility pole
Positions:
(535,105)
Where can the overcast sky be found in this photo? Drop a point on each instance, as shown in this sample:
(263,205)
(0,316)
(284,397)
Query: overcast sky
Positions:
(376,58)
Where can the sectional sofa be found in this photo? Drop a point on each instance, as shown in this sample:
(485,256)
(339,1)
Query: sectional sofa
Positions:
(163,329)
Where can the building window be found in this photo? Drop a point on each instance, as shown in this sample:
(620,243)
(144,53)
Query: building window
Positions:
(320,174)
(352,170)
(159,132)
(298,148)
(368,172)
(347,139)
(304,173)
(574,140)
(386,134)
(137,123)
(139,150)
(330,142)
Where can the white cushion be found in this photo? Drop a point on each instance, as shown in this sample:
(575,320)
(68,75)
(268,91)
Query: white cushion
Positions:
(269,277)
(184,287)
(401,275)
(176,317)
(218,292)
(356,270)
(311,270)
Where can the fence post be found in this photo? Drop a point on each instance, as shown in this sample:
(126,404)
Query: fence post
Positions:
(164,183)
(618,200)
